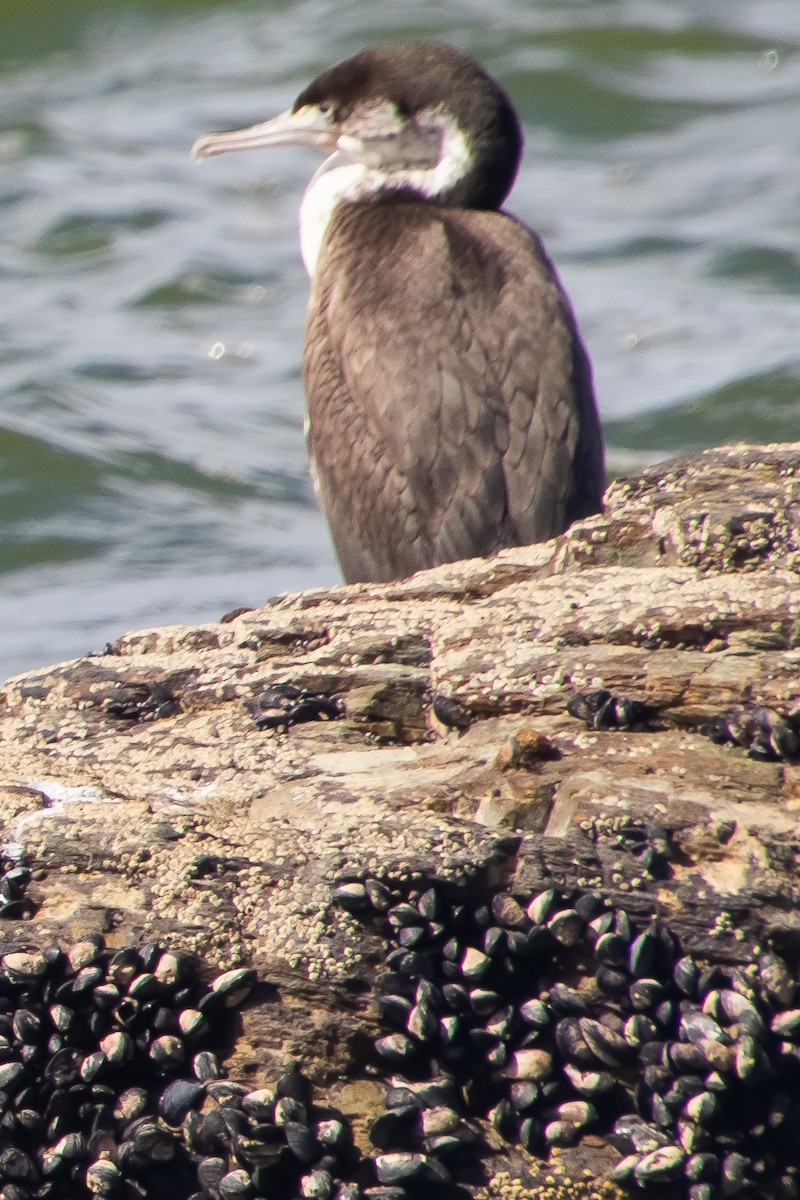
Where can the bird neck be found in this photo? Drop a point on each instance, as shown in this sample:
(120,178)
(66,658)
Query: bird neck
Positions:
(341,180)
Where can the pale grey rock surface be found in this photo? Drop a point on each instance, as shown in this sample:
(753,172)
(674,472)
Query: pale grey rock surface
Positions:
(204,829)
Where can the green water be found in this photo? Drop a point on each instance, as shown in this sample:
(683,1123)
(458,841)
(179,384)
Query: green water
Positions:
(152,466)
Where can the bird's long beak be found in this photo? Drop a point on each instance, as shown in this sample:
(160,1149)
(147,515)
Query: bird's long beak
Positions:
(306,127)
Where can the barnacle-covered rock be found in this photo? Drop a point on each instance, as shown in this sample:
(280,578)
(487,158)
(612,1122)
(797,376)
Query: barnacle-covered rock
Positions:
(149,795)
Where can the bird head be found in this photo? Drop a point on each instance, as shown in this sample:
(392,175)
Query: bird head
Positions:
(418,117)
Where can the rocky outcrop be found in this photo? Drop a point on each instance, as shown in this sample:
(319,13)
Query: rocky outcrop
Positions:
(171,789)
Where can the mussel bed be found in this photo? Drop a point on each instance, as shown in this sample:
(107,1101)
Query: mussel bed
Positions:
(691,1071)
(536,1020)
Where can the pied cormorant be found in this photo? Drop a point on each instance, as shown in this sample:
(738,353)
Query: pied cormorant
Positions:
(451,410)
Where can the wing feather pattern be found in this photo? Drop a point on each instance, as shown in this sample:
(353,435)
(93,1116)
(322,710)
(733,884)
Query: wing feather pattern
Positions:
(450,402)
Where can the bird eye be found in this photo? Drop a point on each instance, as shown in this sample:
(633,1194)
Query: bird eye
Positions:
(324,106)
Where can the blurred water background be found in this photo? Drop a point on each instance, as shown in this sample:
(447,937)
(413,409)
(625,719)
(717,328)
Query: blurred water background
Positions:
(152,465)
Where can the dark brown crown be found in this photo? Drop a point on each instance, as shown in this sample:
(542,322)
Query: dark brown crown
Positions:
(424,75)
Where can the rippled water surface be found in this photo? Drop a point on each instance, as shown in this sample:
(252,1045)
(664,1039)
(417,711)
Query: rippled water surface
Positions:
(152,464)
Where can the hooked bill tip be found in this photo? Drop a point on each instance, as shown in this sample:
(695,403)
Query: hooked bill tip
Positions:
(201,148)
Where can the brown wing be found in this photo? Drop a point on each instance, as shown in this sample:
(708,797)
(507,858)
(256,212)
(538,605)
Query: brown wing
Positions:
(446,389)
(554,466)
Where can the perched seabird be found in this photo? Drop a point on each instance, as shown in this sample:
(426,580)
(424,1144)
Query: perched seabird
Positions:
(450,402)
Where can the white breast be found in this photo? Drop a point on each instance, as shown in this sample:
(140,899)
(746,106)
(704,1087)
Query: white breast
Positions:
(336,180)
(341,178)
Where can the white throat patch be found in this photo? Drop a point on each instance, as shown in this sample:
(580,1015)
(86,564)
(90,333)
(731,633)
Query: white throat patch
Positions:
(342,179)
